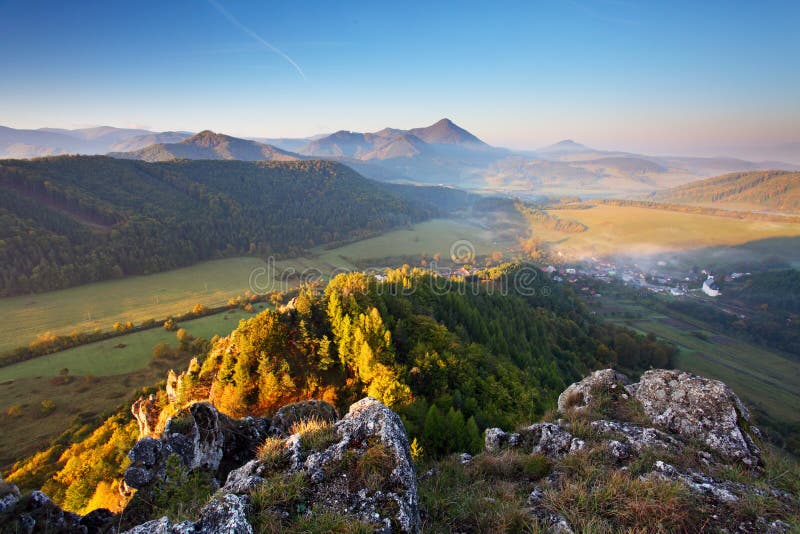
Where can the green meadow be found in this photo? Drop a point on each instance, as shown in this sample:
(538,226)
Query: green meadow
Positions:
(212,283)
(764,378)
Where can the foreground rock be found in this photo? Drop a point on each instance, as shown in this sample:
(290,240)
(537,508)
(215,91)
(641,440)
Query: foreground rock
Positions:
(699,408)
(369,436)
(203,438)
(581,394)
(548,439)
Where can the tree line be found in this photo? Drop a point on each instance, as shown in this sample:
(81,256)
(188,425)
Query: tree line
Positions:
(71,220)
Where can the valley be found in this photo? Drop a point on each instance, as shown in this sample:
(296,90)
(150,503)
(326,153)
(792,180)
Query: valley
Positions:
(641,232)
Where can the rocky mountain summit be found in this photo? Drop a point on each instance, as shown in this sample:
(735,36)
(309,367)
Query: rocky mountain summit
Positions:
(673,452)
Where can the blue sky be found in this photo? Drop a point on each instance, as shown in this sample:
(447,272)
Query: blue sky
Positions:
(655,76)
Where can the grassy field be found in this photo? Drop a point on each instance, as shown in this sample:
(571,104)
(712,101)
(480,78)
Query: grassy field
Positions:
(765,379)
(633,231)
(428,238)
(103,377)
(120,355)
(212,283)
(120,365)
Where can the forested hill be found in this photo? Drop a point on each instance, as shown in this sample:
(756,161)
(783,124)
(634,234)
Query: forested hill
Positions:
(70,220)
(210,145)
(762,190)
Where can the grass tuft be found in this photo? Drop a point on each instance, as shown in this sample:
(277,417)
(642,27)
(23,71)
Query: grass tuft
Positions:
(315,434)
(273,453)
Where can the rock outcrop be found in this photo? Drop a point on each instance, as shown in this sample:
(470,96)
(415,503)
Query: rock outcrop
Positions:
(670,428)
(203,438)
(292,413)
(699,408)
(548,439)
(370,431)
(580,394)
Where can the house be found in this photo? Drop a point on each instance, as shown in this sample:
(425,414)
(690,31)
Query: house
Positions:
(710,287)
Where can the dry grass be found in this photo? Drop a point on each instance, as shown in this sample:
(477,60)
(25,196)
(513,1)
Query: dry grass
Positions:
(613,501)
(372,470)
(509,465)
(315,434)
(273,453)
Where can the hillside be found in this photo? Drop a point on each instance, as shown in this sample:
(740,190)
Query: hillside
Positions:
(70,220)
(142,141)
(449,356)
(209,145)
(20,143)
(449,370)
(761,190)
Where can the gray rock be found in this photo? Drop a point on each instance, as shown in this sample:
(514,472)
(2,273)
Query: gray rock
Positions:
(146,458)
(699,408)
(549,439)
(370,419)
(496,440)
(245,478)
(226,514)
(639,438)
(299,411)
(157,526)
(720,492)
(7,502)
(619,450)
(465,458)
(9,496)
(579,395)
(204,438)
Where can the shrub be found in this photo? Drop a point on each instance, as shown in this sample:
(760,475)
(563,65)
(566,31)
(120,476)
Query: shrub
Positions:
(183,493)
(48,407)
(15,410)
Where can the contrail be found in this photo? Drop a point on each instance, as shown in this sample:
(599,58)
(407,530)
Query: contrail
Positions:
(233,20)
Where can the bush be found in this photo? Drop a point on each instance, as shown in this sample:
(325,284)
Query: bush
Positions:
(48,407)
(183,493)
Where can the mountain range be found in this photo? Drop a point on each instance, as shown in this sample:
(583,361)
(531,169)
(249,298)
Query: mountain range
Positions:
(442,153)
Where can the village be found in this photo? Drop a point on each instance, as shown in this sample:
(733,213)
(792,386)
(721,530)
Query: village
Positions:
(660,278)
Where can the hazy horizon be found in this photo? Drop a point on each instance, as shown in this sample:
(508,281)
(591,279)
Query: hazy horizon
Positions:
(711,79)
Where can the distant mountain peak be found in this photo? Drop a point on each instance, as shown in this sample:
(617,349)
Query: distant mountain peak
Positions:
(566,145)
(207,138)
(445,131)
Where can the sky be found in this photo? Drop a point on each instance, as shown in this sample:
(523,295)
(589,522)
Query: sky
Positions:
(658,77)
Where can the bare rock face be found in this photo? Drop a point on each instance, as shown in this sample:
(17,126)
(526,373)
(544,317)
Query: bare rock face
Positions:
(226,514)
(638,438)
(292,413)
(146,412)
(203,438)
(579,395)
(548,439)
(369,426)
(699,408)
